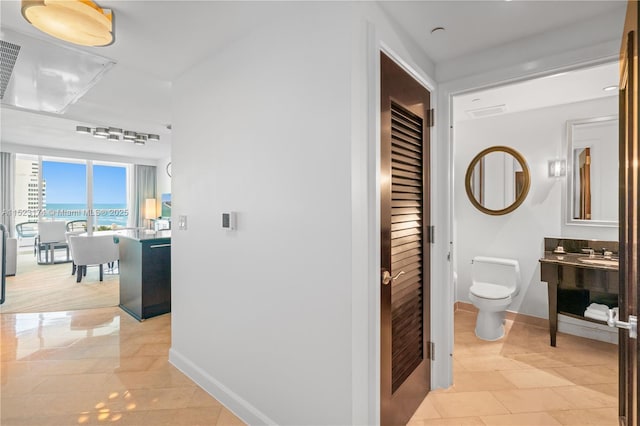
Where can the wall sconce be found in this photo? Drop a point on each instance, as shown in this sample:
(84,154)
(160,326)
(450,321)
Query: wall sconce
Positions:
(557,168)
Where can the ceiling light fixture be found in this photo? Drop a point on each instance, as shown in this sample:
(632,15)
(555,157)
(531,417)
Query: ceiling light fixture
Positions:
(77,21)
(128,134)
(610,88)
(101,131)
(114,134)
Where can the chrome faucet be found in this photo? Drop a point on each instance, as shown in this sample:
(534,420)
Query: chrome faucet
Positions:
(589,250)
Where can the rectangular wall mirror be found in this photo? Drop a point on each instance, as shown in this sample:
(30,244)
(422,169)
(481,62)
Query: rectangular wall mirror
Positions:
(592,175)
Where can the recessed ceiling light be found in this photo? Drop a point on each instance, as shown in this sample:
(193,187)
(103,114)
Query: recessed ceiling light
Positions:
(152,137)
(83,129)
(115,131)
(113,138)
(610,88)
(437,30)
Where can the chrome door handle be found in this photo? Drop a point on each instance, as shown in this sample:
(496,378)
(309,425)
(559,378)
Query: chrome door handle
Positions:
(632,325)
(388,279)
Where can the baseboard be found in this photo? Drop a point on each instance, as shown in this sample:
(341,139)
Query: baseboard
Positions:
(512,316)
(233,402)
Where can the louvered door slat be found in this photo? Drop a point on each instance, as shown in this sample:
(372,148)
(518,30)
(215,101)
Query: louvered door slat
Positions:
(406,242)
(400,217)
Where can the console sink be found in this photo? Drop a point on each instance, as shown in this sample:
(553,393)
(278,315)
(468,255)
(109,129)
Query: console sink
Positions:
(600,262)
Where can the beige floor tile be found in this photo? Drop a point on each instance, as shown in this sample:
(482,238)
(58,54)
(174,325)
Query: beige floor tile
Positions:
(599,417)
(426,410)
(490,363)
(523,419)
(583,397)
(535,378)
(590,374)
(201,398)
(610,389)
(467,404)
(227,418)
(540,360)
(468,381)
(532,400)
(459,421)
(71,383)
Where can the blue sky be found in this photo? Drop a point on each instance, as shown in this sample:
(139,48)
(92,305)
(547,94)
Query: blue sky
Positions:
(67,183)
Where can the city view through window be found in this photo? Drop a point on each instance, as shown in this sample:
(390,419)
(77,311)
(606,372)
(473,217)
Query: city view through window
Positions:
(64,194)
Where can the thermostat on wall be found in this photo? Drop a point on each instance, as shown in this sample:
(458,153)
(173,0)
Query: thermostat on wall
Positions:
(229,220)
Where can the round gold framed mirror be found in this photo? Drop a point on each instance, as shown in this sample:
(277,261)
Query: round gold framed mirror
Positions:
(497,180)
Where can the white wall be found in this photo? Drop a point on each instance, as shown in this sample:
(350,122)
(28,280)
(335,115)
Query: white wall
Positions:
(277,319)
(539,135)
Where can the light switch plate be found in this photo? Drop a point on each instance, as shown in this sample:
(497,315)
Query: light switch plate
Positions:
(229,220)
(182,223)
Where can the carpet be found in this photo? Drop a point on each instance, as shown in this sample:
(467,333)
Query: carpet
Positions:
(52,288)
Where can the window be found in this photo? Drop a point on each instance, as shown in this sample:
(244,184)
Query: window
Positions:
(110,195)
(66,189)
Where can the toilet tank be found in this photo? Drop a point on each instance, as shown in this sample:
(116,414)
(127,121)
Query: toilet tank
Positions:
(495,270)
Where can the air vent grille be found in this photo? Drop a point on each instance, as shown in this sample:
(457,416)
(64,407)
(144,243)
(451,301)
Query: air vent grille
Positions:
(487,111)
(8,56)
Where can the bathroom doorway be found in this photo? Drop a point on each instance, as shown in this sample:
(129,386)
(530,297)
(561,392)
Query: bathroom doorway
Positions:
(531,117)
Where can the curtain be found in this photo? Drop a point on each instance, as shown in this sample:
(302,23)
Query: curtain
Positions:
(7,188)
(144,186)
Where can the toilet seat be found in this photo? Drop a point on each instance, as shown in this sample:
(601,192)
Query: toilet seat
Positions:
(490,291)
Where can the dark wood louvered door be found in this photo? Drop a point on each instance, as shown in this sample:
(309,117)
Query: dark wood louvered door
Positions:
(404,282)
(629,210)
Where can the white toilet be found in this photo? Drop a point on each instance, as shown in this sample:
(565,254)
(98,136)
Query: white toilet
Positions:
(495,282)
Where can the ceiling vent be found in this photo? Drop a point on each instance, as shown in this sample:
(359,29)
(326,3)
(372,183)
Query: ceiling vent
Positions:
(487,111)
(8,55)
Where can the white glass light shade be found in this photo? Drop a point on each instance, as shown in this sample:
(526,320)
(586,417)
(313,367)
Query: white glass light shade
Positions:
(76,21)
(150,208)
(557,168)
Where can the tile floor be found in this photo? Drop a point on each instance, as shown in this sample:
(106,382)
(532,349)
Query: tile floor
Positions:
(100,366)
(97,367)
(521,380)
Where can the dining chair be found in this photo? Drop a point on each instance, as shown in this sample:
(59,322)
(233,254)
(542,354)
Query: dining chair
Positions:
(94,250)
(51,236)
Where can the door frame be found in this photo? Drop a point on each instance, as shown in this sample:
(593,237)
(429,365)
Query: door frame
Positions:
(376,46)
(545,66)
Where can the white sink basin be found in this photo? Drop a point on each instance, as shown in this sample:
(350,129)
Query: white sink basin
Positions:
(600,262)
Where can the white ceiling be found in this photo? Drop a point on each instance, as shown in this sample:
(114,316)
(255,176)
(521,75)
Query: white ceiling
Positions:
(557,89)
(156,41)
(471,26)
